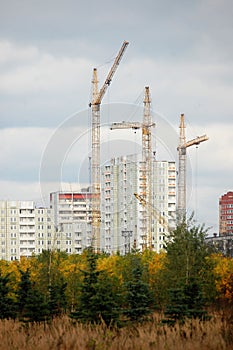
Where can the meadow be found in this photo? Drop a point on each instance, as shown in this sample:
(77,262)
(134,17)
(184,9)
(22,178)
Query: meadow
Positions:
(65,334)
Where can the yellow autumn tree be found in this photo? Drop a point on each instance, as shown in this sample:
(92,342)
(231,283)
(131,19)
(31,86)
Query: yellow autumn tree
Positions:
(224,276)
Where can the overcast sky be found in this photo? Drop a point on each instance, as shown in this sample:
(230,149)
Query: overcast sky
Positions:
(182,50)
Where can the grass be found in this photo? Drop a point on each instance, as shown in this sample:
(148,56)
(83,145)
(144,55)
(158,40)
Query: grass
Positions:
(64,334)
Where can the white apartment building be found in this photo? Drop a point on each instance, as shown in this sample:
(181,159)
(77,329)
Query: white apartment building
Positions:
(164,199)
(24,229)
(122,213)
(66,226)
(72,219)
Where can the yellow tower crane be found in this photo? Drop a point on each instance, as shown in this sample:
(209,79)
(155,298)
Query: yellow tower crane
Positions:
(183,145)
(146,165)
(97,96)
(155,212)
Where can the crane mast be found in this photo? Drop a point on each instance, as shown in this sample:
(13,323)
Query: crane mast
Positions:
(146,169)
(95,163)
(182,171)
(97,96)
(146,166)
(183,145)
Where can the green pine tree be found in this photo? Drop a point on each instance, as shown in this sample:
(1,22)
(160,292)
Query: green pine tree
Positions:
(108,298)
(188,273)
(138,297)
(24,289)
(177,309)
(32,306)
(57,299)
(7,305)
(36,307)
(97,301)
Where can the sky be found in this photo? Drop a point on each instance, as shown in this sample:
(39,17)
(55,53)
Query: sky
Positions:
(182,50)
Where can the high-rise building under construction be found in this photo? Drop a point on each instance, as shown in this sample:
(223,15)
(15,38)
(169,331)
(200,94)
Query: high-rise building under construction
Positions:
(123,208)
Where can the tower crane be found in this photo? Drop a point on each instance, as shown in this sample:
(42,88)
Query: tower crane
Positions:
(97,96)
(146,167)
(183,145)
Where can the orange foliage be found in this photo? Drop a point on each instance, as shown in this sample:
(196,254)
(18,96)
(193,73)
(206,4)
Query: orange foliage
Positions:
(155,263)
(112,265)
(224,276)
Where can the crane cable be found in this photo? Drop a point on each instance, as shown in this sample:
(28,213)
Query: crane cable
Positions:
(196,182)
(108,123)
(89,135)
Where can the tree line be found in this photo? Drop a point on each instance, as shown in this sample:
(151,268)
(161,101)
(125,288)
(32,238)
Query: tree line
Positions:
(183,282)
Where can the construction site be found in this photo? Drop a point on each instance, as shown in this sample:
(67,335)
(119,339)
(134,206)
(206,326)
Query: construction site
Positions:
(153,197)
(133,201)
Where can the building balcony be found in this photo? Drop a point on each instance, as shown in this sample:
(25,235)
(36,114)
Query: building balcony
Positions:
(80,212)
(26,215)
(26,251)
(28,224)
(24,236)
(78,246)
(28,245)
(27,229)
(80,218)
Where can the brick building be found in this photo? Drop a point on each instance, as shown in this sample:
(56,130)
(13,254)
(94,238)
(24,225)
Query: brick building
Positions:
(226,213)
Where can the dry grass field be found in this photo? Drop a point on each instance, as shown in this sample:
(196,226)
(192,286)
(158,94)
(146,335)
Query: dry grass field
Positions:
(63,334)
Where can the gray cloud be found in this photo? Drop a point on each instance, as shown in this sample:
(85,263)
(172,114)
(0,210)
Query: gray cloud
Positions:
(181,49)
